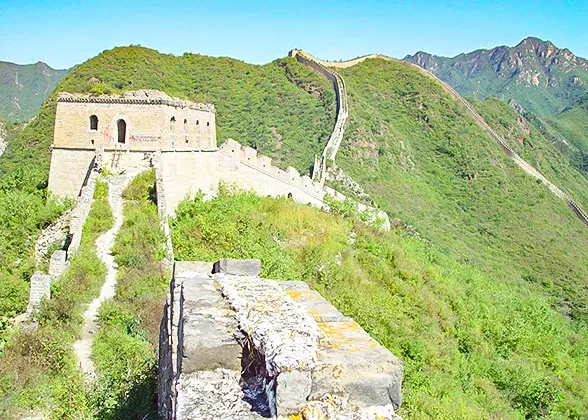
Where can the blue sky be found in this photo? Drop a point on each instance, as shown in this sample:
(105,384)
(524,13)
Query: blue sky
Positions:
(65,33)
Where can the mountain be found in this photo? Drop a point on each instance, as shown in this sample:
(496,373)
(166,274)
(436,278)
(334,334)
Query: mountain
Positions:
(23,88)
(487,305)
(536,74)
(572,123)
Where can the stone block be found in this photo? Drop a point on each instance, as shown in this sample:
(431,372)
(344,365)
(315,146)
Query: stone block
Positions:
(57,264)
(237,267)
(352,362)
(210,332)
(40,288)
(183,268)
(292,390)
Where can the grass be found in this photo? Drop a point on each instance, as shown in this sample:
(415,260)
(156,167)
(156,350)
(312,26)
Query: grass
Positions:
(283,109)
(535,148)
(423,160)
(125,348)
(472,346)
(38,373)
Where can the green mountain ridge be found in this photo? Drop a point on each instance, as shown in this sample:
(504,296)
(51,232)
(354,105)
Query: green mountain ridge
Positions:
(24,88)
(542,78)
(496,244)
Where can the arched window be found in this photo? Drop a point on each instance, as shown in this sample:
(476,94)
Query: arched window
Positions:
(172,123)
(121,126)
(185,126)
(93,123)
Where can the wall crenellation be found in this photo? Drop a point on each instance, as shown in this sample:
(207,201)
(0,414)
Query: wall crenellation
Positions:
(290,176)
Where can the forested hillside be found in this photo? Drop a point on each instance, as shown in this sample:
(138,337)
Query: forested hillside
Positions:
(538,148)
(486,305)
(541,77)
(23,88)
(572,123)
(423,160)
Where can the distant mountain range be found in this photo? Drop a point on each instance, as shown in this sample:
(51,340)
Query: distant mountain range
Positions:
(536,74)
(23,88)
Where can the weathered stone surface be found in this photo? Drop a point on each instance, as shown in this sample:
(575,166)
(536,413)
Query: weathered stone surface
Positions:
(53,234)
(210,329)
(214,395)
(312,302)
(188,268)
(57,263)
(302,356)
(280,330)
(292,390)
(352,362)
(40,288)
(237,267)
(349,360)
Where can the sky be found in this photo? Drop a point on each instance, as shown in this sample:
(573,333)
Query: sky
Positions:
(63,33)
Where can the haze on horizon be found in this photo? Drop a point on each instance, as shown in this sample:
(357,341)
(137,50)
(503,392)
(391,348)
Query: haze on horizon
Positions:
(68,33)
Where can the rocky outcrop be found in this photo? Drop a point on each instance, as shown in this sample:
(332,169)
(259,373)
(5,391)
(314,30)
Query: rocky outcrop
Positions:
(535,73)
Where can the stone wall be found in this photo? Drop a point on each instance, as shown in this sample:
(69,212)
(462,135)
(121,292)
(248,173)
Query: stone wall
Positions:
(40,289)
(251,348)
(68,171)
(332,147)
(242,166)
(165,371)
(41,283)
(183,174)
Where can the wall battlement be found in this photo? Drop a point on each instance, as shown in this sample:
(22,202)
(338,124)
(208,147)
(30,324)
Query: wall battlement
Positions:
(291,176)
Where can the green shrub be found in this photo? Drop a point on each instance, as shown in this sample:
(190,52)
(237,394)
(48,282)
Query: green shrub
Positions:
(472,346)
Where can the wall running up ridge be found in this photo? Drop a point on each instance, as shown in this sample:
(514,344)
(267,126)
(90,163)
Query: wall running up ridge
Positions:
(323,66)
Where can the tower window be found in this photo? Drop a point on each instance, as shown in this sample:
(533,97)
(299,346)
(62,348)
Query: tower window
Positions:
(93,123)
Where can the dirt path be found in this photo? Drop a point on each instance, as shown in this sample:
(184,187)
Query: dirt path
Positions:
(104,243)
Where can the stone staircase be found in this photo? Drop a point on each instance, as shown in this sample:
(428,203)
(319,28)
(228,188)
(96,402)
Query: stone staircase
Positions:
(236,346)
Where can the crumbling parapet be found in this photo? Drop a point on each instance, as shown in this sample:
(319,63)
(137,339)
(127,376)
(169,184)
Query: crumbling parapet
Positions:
(58,263)
(40,289)
(84,203)
(275,345)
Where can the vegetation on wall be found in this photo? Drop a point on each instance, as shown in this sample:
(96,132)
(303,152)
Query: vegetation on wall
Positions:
(473,347)
(38,371)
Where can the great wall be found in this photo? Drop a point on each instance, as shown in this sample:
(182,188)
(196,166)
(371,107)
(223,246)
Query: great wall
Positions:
(232,345)
(325,68)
